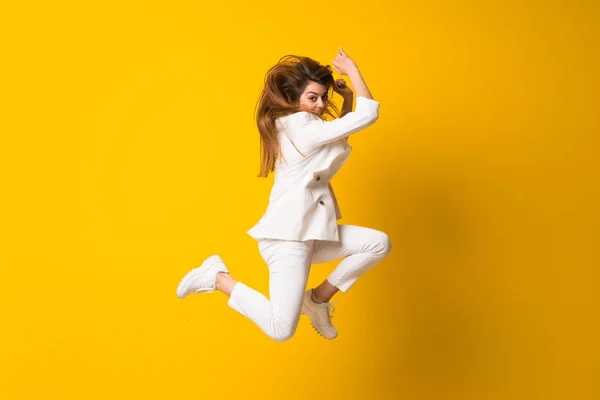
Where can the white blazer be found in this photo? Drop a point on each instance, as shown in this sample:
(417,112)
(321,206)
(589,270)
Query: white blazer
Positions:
(302,205)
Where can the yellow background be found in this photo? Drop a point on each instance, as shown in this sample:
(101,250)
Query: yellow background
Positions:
(129,154)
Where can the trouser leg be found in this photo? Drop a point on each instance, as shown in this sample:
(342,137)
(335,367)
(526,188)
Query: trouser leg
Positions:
(289,266)
(361,247)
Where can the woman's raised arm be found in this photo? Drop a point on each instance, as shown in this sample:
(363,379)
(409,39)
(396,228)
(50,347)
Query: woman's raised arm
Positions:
(344,65)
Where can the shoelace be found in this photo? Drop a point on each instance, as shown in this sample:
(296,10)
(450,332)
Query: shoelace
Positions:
(330,307)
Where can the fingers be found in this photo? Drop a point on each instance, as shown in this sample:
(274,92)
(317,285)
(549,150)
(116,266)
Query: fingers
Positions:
(338,60)
(334,64)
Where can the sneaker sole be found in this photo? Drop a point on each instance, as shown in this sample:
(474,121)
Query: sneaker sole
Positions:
(320,334)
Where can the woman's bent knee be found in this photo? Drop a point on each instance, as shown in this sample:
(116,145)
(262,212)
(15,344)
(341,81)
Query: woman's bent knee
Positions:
(281,331)
(283,335)
(384,245)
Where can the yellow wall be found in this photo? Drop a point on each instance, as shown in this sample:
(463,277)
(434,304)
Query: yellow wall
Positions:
(129,154)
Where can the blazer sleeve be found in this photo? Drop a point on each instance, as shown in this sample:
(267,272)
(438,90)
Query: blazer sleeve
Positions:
(315,132)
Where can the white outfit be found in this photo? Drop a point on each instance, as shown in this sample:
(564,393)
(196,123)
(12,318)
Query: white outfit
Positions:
(289,264)
(302,205)
(300,227)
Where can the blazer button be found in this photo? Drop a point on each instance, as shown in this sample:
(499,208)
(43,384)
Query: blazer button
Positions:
(321,202)
(318,178)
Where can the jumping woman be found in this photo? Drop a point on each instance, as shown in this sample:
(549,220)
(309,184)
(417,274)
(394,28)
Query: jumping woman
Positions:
(300,226)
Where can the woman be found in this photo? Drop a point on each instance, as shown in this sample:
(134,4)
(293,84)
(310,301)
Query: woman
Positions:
(299,227)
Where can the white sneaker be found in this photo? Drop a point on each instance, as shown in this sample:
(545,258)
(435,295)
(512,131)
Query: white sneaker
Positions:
(320,315)
(202,279)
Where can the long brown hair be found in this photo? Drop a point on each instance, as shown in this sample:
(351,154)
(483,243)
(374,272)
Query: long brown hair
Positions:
(284,83)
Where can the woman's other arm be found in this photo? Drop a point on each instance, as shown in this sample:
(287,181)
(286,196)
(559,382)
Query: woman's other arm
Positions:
(347,94)
(347,105)
(343,90)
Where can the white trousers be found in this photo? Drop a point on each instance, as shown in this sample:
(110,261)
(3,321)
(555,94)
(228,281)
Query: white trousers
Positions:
(289,265)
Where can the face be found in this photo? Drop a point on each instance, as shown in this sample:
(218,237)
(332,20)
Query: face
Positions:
(314,98)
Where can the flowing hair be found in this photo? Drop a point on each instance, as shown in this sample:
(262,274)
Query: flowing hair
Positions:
(284,83)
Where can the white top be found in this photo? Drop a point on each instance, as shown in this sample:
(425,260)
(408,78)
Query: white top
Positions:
(302,205)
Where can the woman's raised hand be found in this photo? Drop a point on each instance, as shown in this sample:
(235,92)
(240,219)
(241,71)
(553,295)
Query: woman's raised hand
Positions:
(343,64)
